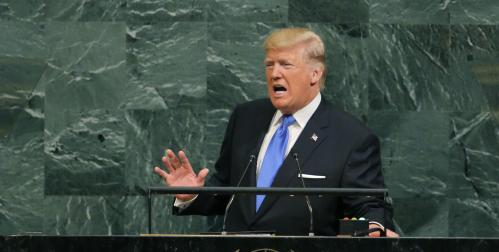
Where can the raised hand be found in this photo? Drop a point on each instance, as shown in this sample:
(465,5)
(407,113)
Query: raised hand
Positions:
(180,173)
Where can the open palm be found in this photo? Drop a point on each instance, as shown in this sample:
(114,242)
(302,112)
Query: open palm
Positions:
(180,173)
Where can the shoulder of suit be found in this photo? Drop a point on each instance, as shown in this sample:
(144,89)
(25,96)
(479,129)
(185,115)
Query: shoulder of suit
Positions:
(263,104)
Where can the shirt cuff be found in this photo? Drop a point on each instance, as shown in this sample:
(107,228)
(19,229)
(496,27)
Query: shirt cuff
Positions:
(183,204)
(377,223)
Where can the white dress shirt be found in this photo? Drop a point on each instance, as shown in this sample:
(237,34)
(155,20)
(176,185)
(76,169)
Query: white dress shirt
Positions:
(294,130)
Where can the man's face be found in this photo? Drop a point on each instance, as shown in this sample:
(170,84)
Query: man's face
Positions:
(292,81)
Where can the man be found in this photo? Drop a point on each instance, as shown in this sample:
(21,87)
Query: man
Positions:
(296,125)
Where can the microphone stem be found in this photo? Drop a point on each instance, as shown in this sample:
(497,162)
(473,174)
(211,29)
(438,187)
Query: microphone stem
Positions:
(311,225)
(224,232)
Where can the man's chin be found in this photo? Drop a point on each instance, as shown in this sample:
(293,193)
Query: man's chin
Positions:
(281,106)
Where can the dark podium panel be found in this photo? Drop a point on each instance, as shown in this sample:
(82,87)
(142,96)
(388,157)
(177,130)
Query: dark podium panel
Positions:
(239,243)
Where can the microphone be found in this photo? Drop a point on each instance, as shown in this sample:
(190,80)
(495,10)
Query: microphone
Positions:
(252,157)
(300,174)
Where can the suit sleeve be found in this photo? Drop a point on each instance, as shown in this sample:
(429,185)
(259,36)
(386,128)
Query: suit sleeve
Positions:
(363,170)
(206,204)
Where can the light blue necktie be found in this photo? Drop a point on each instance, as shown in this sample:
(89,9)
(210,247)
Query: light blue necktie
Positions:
(274,157)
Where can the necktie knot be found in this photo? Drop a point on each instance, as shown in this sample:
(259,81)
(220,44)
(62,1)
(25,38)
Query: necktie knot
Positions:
(287,120)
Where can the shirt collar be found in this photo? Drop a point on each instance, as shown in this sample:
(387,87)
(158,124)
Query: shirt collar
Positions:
(302,115)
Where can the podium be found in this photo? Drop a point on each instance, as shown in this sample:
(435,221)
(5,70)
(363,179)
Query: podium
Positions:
(258,190)
(253,243)
(216,243)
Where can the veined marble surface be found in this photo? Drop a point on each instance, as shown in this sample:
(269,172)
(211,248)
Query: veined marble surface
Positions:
(92,92)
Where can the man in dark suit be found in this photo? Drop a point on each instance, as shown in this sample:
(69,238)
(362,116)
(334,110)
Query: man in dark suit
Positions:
(296,126)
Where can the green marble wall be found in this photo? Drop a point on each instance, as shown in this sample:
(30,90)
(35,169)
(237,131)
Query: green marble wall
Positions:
(91,92)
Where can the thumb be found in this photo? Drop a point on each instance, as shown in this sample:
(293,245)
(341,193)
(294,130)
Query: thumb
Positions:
(202,175)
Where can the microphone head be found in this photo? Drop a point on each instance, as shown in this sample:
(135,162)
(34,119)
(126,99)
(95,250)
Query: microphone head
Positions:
(295,155)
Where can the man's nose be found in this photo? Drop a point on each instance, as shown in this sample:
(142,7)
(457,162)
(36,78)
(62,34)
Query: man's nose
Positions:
(276,72)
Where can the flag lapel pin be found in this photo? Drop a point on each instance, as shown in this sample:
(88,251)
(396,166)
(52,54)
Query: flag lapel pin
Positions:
(314,137)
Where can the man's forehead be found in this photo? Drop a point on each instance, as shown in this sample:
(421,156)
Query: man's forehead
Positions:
(293,52)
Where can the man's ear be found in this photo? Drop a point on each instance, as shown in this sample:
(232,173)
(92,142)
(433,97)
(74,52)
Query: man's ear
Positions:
(316,75)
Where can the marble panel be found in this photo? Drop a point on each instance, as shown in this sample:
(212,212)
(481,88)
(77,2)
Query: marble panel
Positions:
(69,10)
(474,12)
(22,153)
(422,216)
(169,60)
(22,179)
(330,11)
(409,12)
(152,11)
(346,78)
(163,222)
(475,65)
(235,62)
(21,10)
(140,155)
(216,124)
(20,214)
(248,11)
(87,70)
(22,53)
(474,155)
(18,78)
(150,132)
(86,157)
(472,217)
(414,151)
(236,74)
(84,87)
(96,47)
(23,40)
(409,69)
(83,215)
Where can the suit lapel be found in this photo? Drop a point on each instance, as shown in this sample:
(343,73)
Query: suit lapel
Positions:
(247,201)
(304,147)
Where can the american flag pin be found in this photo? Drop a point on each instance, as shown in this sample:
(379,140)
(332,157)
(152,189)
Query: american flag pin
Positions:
(314,137)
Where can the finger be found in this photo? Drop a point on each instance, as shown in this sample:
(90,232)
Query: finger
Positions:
(167,163)
(390,233)
(202,175)
(166,177)
(374,234)
(184,160)
(173,159)
(160,172)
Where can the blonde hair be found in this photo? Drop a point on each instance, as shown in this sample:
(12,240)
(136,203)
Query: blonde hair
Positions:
(289,37)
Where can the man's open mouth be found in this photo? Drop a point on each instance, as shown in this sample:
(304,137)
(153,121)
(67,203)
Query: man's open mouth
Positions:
(279,89)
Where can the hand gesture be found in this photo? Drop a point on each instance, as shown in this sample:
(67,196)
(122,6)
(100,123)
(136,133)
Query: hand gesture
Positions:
(389,233)
(180,173)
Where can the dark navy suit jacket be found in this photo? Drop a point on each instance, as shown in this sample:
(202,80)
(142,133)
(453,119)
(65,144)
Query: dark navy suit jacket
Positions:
(345,151)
